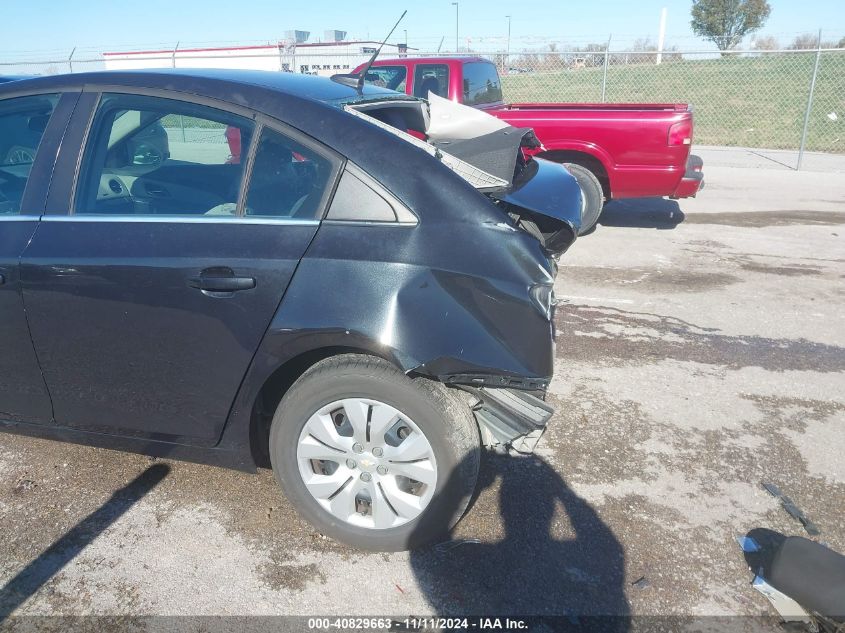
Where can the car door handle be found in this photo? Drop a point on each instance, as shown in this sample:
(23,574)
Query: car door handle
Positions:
(222,284)
(220,280)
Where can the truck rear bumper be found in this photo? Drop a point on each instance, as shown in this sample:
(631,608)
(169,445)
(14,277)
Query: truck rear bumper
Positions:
(693,180)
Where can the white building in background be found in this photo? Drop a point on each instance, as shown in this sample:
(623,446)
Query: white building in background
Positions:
(292,55)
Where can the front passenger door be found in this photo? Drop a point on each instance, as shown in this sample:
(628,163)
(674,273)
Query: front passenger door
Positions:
(149,297)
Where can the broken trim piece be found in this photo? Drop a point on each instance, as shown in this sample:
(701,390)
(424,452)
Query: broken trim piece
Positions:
(793,510)
(509,418)
(788,609)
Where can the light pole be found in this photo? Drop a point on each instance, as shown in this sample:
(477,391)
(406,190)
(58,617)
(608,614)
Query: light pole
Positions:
(457,49)
(508,50)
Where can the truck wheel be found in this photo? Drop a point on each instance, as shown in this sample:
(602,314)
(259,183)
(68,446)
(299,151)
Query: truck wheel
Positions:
(593,195)
(373,458)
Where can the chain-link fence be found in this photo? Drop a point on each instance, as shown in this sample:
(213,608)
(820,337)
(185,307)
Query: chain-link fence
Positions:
(758,99)
(781,99)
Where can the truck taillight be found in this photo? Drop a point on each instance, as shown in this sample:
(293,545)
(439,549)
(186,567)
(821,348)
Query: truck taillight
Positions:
(680,133)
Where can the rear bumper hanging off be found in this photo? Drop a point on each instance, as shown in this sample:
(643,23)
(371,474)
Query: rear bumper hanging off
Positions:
(509,418)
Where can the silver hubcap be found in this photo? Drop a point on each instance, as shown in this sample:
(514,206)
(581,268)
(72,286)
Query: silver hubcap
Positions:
(366,463)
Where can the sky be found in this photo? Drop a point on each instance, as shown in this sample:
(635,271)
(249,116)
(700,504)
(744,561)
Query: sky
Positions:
(37,29)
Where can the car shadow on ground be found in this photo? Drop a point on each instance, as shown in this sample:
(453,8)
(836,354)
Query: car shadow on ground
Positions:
(646,213)
(557,557)
(52,560)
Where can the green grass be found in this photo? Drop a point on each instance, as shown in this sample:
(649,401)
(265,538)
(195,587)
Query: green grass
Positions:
(179,121)
(739,101)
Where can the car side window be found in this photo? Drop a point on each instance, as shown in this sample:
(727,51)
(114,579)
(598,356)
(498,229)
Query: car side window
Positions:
(481,84)
(153,156)
(288,180)
(431,78)
(22,124)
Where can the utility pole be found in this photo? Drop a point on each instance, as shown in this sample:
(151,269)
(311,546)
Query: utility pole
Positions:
(606,62)
(809,103)
(457,48)
(406,37)
(661,36)
(508,49)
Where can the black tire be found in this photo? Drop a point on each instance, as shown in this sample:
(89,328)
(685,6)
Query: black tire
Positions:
(443,417)
(593,195)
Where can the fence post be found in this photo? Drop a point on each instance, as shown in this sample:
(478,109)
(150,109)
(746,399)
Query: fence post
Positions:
(70,60)
(604,77)
(809,103)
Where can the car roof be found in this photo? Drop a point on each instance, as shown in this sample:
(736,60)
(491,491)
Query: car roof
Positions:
(7,78)
(215,82)
(431,60)
(312,105)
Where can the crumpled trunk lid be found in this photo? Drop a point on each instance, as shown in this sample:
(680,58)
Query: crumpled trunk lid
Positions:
(540,197)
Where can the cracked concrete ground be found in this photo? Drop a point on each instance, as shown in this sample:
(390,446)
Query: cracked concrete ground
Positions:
(700,351)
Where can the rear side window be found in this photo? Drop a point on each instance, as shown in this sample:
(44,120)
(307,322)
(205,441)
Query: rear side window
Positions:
(481,84)
(22,124)
(431,78)
(153,156)
(288,180)
(390,77)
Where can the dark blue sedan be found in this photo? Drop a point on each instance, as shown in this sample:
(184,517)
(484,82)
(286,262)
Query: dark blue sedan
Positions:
(250,268)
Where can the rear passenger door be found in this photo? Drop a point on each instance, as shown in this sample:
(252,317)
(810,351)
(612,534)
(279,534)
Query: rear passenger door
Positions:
(31,128)
(150,286)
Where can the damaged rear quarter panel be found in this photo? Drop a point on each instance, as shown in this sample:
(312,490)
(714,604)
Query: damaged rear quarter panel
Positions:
(438,298)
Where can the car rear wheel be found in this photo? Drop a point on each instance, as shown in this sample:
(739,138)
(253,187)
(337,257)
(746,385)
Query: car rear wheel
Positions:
(593,196)
(372,457)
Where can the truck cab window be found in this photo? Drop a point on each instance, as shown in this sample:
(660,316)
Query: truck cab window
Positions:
(481,84)
(431,78)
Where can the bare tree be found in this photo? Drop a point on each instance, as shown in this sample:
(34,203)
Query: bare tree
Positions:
(766,43)
(804,42)
(646,53)
(810,41)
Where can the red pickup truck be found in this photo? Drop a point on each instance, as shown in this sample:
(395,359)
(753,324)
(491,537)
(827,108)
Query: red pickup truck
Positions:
(629,150)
